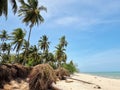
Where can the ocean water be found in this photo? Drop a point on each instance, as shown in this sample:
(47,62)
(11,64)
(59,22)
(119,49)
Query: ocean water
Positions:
(114,75)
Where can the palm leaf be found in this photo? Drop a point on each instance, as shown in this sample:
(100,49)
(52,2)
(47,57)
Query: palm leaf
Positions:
(43,8)
(14,5)
(4,7)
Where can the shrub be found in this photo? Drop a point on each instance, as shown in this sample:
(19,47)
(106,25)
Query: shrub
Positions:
(70,67)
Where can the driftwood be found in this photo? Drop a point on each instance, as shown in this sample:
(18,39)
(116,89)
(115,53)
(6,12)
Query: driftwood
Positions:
(86,82)
(80,80)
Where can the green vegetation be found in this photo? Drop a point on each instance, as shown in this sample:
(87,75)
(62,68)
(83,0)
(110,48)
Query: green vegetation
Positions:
(36,54)
(30,12)
(71,67)
(4,7)
(16,52)
(27,54)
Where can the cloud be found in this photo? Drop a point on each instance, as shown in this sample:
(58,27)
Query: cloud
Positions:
(82,6)
(55,7)
(82,13)
(81,22)
(66,21)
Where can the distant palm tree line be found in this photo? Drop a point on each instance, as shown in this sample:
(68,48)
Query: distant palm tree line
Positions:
(35,54)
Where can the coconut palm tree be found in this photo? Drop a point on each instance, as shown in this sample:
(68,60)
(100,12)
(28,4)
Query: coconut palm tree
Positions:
(4,36)
(50,57)
(25,44)
(5,56)
(3,47)
(17,39)
(4,7)
(34,55)
(43,43)
(9,48)
(63,42)
(60,55)
(30,12)
(25,51)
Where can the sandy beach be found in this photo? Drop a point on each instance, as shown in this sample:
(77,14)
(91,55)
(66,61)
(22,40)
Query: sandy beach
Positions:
(75,82)
(88,82)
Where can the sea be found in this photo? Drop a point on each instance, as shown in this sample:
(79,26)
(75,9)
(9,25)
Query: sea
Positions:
(113,75)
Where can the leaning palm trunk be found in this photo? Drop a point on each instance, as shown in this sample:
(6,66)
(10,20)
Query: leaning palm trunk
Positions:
(29,35)
(17,57)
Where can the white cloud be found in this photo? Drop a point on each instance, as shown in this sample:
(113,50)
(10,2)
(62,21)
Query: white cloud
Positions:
(83,13)
(81,22)
(66,21)
(55,7)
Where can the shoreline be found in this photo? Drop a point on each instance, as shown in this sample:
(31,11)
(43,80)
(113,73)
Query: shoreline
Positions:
(109,75)
(81,81)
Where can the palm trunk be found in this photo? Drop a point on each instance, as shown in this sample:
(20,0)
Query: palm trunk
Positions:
(17,57)
(26,49)
(29,36)
(24,58)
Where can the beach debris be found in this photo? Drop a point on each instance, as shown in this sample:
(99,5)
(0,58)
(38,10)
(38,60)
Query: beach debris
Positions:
(41,77)
(61,73)
(80,80)
(68,81)
(10,72)
(95,77)
(14,85)
(97,87)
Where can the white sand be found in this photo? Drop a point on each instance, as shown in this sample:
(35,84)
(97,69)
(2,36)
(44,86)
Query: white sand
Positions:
(70,84)
(104,83)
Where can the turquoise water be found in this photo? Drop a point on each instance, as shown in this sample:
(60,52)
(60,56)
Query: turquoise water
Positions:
(114,75)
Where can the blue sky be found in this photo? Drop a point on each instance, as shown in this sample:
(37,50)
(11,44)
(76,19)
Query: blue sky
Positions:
(91,27)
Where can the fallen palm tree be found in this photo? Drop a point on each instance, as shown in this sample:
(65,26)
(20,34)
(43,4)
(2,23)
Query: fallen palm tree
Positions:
(10,72)
(86,82)
(61,73)
(41,77)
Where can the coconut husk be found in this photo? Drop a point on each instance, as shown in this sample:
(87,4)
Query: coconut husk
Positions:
(41,77)
(61,73)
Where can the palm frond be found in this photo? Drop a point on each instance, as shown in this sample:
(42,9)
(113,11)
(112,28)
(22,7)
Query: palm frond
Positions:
(43,8)
(14,5)
(4,5)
